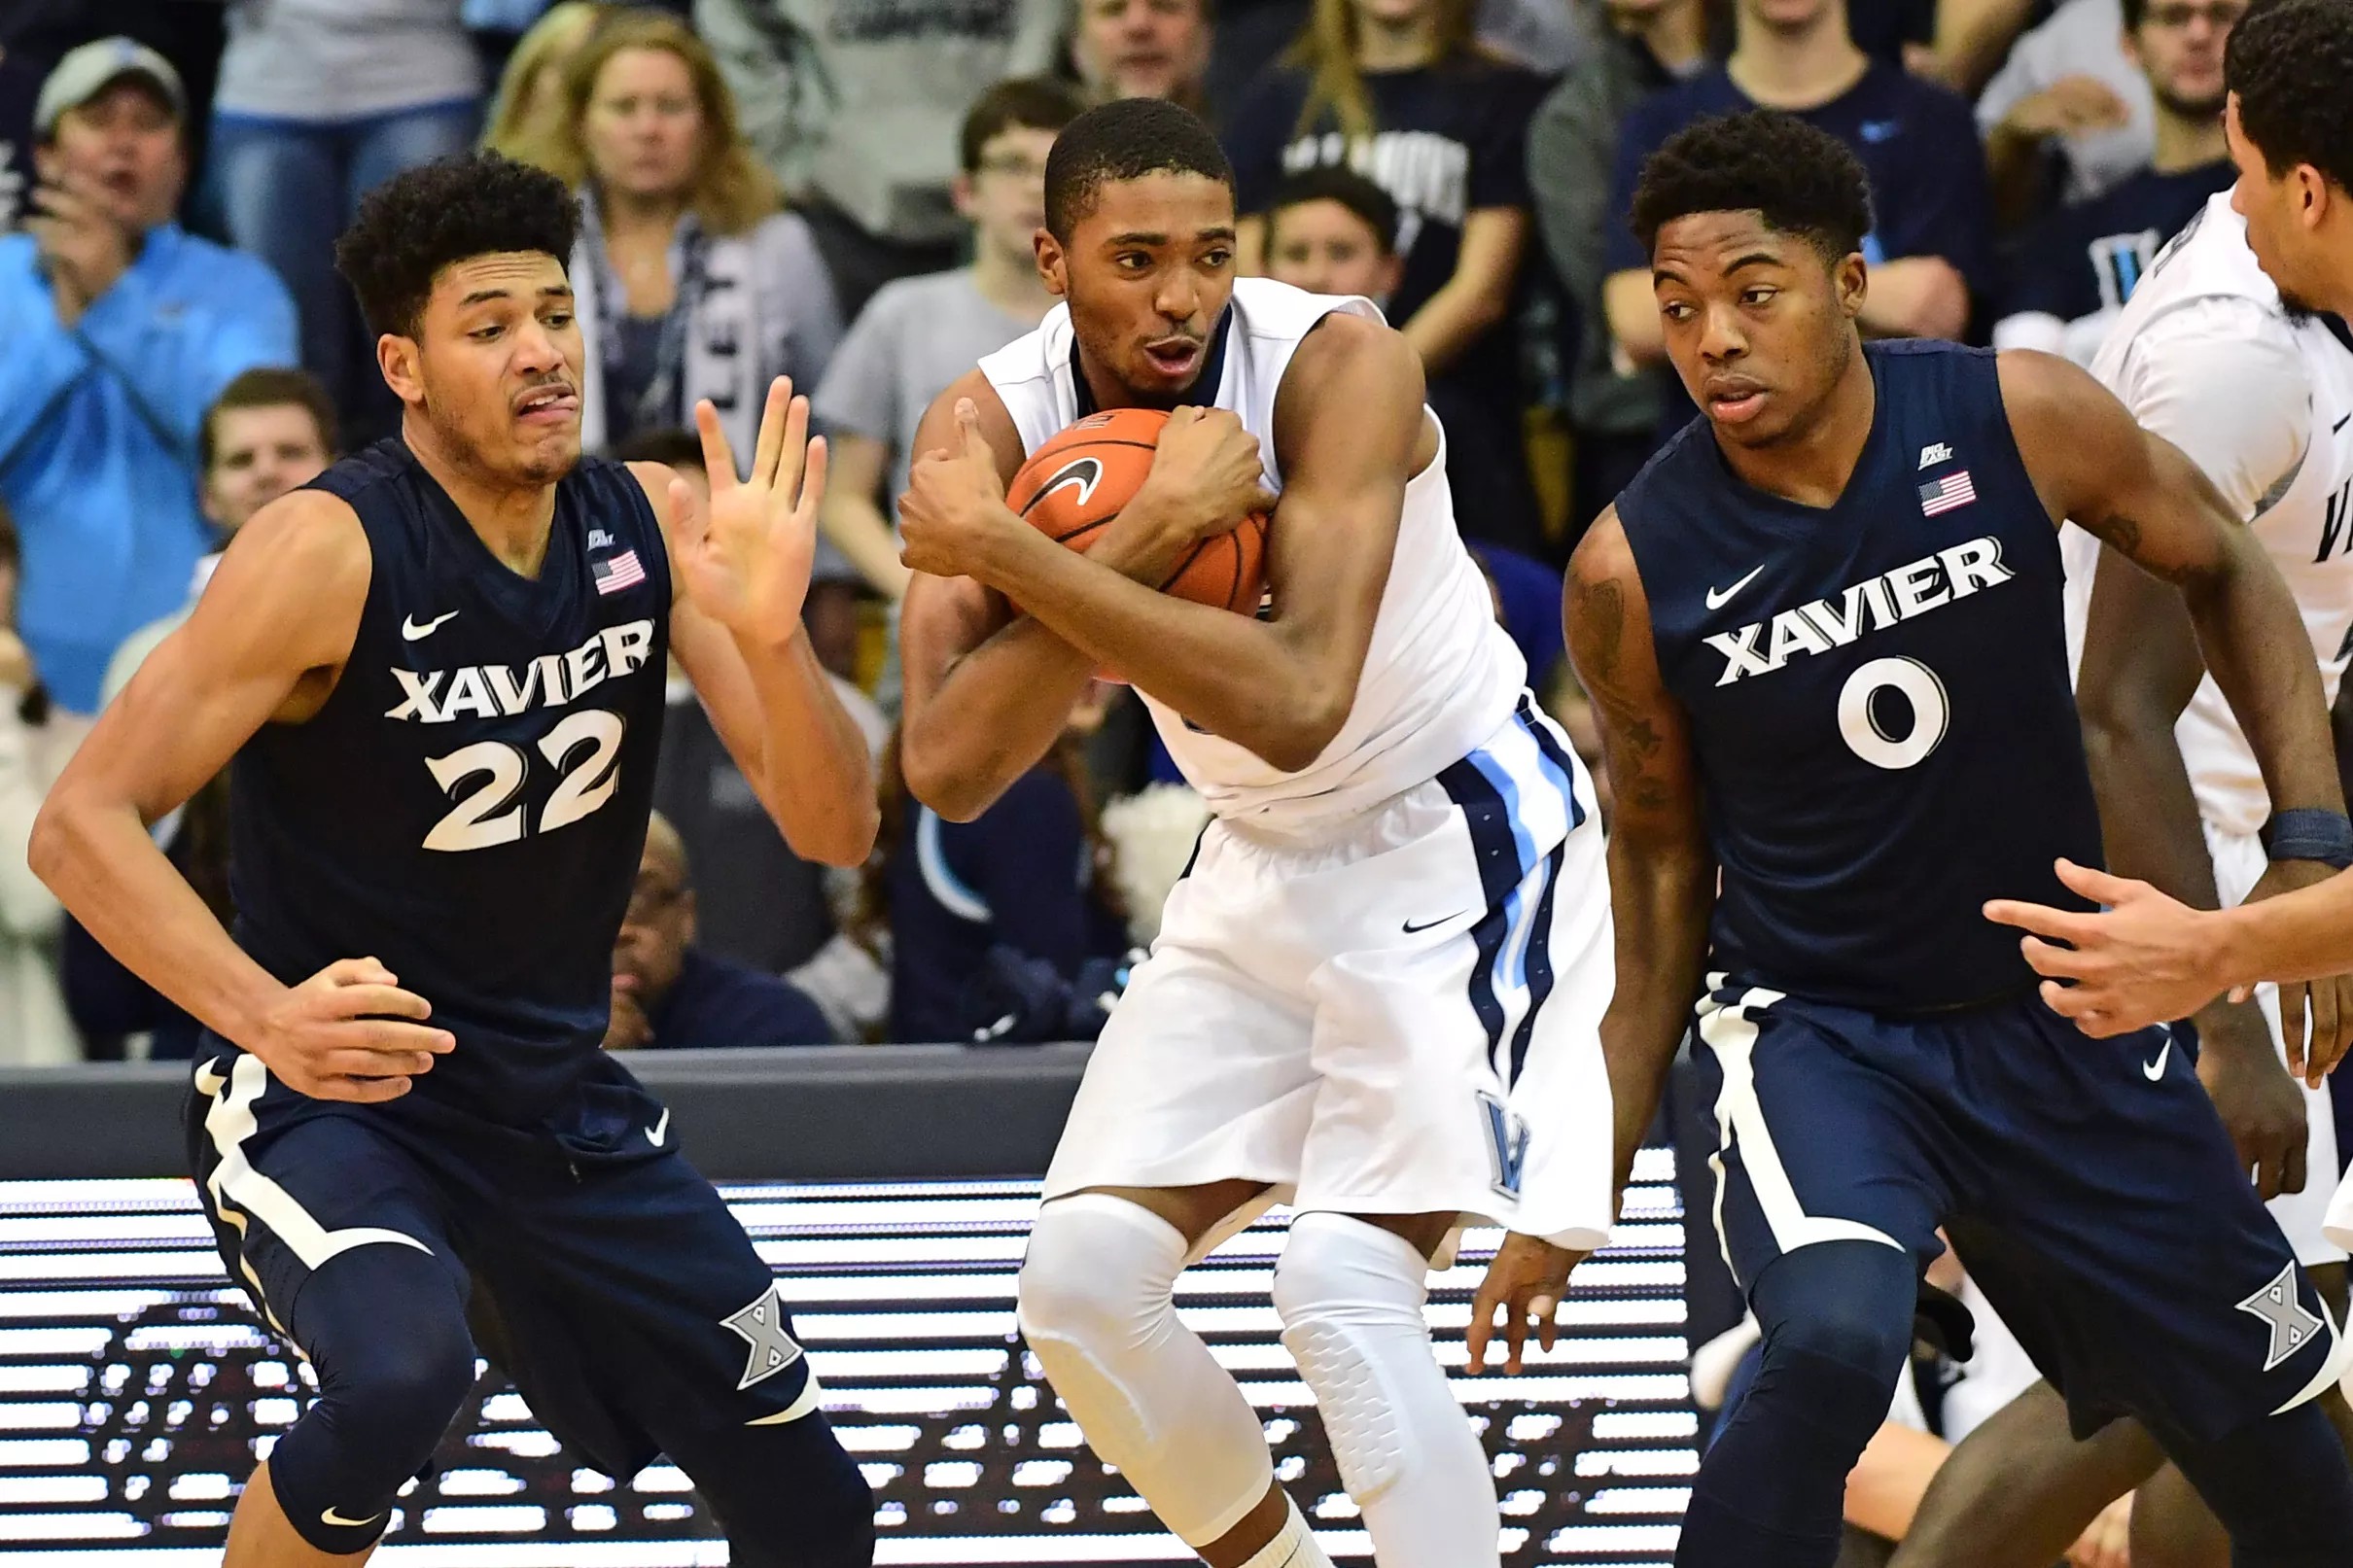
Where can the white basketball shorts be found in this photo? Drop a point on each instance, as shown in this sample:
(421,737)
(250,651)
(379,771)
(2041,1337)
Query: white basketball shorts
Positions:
(1398,1016)
(2304,1217)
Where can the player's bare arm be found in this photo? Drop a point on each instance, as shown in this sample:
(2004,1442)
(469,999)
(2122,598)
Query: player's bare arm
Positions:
(1350,432)
(265,644)
(1662,887)
(743,573)
(2140,669)
(988,692)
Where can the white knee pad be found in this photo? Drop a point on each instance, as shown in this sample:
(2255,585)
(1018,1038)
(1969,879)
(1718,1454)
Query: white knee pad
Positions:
(1097,1305)
(1351,1297)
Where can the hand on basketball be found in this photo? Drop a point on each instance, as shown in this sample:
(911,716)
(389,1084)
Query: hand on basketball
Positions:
(1526,1281)
(2327,1005)
(2147,960)
(346,1033)
(746,562)
(2259,1103)
(1207,475)
(954,502)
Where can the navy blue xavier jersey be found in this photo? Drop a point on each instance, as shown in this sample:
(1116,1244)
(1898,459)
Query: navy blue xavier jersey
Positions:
(470,804)
(1878,696)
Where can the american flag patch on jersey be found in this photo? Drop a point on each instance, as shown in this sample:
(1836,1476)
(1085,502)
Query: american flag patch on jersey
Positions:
(1953,490)
(616,572)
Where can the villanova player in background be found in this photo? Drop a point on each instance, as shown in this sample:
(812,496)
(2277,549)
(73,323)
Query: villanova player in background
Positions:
(1824,635)
(439,670)
(1376,991)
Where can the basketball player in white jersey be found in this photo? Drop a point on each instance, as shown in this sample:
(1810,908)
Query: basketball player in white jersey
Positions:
(1376,994)
(2259,393)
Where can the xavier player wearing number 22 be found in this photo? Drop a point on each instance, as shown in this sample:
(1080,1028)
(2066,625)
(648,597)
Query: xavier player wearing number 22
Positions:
(1378,988)
(1824,633)
(439,670)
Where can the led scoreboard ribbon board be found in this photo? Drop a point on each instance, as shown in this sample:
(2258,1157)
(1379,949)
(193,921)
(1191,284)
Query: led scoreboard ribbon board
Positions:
(137,1389)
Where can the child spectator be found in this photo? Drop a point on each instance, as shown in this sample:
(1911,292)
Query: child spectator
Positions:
(1331,230)
(690,280)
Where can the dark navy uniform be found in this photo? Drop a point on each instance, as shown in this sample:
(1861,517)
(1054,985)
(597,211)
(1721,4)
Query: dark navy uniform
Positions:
(468,807)
(1887,737)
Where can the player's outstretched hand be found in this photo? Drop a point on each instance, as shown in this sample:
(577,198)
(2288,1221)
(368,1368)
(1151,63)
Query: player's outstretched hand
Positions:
(2146,959)
(1207,473)
(955,499)
(1525,1281)
(349,1032)
(2315,1017)
(746,561)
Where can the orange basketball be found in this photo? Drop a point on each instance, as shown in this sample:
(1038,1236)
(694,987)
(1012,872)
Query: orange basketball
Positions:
(1071,488)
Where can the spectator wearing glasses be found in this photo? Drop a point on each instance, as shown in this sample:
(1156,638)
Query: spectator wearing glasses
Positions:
(116,332)
(690,280)
(918,335)
(2075,269)
(668,994)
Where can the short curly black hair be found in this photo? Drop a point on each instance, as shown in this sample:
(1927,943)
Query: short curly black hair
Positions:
(2289,61)
(1125,139)
(1802,180)
(453,209)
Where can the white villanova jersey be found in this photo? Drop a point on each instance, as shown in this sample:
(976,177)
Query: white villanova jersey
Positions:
(1440,677)
(2205,355)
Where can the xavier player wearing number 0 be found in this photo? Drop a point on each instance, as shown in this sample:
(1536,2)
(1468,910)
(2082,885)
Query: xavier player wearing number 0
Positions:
(438,670)
(1824,634)
(1376,992)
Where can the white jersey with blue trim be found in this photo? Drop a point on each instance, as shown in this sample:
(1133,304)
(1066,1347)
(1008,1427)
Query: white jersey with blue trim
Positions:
(1440,676)
(2261,398)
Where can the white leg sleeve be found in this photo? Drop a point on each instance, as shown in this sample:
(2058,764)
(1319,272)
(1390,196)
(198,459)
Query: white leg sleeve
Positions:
(1097,1305)
(1351,1295)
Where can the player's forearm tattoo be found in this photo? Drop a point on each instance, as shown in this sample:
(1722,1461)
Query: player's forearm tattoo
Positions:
(1600,606)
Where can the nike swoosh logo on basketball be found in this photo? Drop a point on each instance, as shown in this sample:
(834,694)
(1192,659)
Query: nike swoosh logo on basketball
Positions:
(660,1130)
(330,1516)
(2153,1070)
(1411,928)
(1080,473)
(1718,598)
(411,630)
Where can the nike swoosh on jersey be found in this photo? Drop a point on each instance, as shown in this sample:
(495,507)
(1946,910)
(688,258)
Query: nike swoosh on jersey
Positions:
(411,631)
(330,1516)
(1411,928)
(659,1131)
(1718,598)
(2153,1070)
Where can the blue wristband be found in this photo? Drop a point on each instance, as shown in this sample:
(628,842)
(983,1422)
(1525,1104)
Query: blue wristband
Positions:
(2310,833)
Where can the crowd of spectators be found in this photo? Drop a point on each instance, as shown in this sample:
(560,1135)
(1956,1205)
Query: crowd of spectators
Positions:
(844,192)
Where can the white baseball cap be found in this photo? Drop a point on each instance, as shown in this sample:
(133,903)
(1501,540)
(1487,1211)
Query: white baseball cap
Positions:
(92,69)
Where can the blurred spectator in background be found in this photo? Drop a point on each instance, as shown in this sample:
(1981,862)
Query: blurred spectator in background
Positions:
(2069,94)
(669,994)
(691,282)
(1331,230)
(270,430)
(761,904)
(1397,89)
(1142,49)
(528,109)
(319,102)
(1573,149)
(853,104)
(119,330)
(1931,247)
(2072,272)
(1542,35)
(1956,43)
(1024,880)
(918,335)
(34,1029)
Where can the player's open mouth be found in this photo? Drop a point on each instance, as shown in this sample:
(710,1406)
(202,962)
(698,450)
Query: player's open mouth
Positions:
(547,405)
(1733,399)
(1174,355)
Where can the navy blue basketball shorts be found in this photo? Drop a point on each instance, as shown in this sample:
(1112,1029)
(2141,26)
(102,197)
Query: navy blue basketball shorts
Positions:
(2088,1185)
(594,1264)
